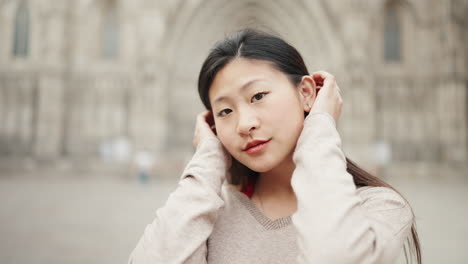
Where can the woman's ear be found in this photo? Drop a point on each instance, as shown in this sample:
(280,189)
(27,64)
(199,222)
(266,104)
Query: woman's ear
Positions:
(307,92)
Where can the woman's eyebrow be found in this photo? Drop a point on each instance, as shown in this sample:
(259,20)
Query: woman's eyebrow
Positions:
(244,87)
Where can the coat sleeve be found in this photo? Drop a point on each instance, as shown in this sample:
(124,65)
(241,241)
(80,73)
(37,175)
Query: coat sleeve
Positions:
(179,232)
(337,223)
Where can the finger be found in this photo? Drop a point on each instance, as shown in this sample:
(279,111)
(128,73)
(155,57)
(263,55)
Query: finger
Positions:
(205,113)
(209,118)
(322,77)
(206,119)
(204,116)
(318,79)
(201,117)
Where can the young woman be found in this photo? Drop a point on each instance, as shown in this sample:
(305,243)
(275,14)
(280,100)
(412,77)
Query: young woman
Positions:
(268,182)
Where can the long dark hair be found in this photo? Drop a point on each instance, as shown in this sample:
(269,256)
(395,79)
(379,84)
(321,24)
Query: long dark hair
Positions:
(254,44)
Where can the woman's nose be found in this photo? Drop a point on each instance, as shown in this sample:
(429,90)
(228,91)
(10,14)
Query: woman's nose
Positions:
(248,121)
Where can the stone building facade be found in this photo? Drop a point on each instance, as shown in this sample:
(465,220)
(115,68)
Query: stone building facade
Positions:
(77,73)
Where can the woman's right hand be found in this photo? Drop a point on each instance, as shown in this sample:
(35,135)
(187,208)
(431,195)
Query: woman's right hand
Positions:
(203,128)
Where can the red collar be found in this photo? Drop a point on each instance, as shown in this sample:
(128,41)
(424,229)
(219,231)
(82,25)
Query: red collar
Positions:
(249,187)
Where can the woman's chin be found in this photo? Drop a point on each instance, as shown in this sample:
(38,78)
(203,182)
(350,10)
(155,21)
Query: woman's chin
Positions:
(260,169)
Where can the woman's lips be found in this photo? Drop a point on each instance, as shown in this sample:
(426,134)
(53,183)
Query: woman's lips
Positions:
(257,148)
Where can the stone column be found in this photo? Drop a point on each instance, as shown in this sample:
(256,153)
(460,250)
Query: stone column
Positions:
(357,83)
(49,105)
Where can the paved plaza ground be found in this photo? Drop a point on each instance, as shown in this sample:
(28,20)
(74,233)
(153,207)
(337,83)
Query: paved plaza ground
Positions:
(59,220)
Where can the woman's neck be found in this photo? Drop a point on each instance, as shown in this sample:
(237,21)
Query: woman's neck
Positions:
(276,182)
(273,193)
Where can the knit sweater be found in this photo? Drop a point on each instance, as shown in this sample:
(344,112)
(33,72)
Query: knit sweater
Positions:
(207,220)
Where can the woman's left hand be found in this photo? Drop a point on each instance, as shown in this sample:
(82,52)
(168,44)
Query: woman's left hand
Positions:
(328,97)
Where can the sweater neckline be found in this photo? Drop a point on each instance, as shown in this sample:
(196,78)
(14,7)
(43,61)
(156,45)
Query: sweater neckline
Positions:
(263,220)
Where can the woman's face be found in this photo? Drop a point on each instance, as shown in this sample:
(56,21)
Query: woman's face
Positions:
(253,102)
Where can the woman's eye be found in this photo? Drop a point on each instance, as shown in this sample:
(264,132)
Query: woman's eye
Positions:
(224,112)
(258,96)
